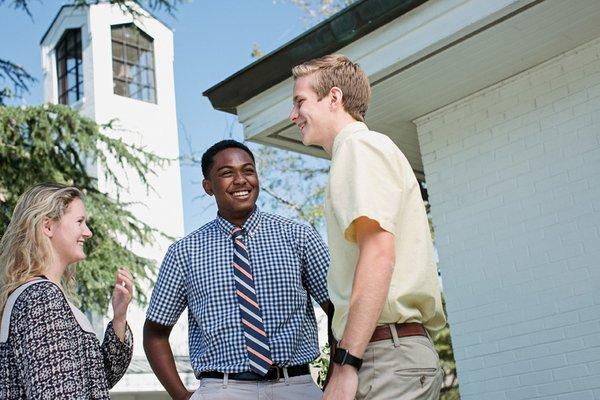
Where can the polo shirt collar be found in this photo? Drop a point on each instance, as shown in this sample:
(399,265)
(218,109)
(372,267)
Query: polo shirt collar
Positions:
(250,226)
(346,132)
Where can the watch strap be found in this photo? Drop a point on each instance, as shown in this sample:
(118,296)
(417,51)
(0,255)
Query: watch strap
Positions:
(343,356)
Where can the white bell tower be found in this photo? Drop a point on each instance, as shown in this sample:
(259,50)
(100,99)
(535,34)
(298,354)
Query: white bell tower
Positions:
(108,65)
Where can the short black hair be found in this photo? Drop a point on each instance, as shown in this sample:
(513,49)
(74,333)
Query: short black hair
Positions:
(209,155)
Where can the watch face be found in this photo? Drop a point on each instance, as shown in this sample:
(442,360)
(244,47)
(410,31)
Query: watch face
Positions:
(340,356)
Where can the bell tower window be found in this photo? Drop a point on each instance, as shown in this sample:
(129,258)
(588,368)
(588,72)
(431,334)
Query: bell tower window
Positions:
(133,63)
(69,67)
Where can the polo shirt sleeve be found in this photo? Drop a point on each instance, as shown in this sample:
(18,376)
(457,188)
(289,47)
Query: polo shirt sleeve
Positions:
(366,181)
(169,295)
(316,264)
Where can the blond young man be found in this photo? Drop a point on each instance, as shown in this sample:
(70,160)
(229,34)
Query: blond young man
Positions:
(382,278)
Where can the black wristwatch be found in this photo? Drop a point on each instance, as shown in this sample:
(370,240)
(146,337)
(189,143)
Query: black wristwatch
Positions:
(343,356)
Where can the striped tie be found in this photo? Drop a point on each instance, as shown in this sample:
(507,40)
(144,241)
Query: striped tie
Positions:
(257,342)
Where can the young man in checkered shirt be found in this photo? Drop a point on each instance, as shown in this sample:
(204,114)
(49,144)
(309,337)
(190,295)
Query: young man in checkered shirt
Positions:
(252,328)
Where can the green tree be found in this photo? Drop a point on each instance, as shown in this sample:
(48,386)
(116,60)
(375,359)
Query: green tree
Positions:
(14,74)
(55,143)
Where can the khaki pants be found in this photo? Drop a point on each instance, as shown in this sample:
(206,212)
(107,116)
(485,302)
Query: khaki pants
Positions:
(405,368)
(295,388)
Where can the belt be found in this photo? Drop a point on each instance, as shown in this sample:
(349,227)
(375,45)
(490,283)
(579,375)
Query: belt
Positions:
(275,373)
(383,332)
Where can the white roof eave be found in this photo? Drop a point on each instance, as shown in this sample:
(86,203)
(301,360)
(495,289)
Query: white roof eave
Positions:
(394,46)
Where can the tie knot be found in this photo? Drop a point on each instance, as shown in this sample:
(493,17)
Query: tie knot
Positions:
(236,232)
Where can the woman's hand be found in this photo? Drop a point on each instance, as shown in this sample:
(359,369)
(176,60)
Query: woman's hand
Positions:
(121,297)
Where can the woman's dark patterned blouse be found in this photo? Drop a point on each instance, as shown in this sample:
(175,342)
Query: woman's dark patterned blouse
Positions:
(49,356)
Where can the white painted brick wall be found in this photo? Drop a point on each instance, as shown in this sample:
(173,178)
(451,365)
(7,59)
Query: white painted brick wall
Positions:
(514,181)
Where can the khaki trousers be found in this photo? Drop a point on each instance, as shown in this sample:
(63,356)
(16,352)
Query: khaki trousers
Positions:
(295,388)
(405,368)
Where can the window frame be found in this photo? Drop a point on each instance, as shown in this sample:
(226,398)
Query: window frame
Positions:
(134,64)
(69,77)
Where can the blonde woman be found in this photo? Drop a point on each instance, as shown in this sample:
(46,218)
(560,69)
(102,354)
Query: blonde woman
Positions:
(48,349)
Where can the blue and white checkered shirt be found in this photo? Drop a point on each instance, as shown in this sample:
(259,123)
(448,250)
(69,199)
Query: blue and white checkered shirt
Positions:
(289,262)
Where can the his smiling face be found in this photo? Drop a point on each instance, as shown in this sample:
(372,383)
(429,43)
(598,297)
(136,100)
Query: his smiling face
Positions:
(309,113)
(233,181)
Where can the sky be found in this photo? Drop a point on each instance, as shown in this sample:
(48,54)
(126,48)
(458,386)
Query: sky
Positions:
(213,40)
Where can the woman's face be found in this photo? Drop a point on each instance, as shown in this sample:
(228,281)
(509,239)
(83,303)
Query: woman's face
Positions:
(69,233)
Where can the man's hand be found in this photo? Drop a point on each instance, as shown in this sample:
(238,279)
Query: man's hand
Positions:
(343,383)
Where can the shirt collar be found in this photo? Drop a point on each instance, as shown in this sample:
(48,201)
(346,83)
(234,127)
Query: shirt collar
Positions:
(250,226)
(346,132)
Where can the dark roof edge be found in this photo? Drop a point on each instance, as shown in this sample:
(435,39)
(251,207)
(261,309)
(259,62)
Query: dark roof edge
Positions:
(52,23)
(71,5)
(334,33)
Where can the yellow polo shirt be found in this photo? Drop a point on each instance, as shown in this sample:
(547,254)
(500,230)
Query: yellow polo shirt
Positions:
(369,176)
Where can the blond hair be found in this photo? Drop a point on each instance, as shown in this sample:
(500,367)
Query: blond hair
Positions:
(24,250)
(336,70)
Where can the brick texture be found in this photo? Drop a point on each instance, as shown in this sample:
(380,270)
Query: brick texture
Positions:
(513,173)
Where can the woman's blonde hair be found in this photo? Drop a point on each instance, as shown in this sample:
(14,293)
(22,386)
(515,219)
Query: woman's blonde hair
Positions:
(24,250)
